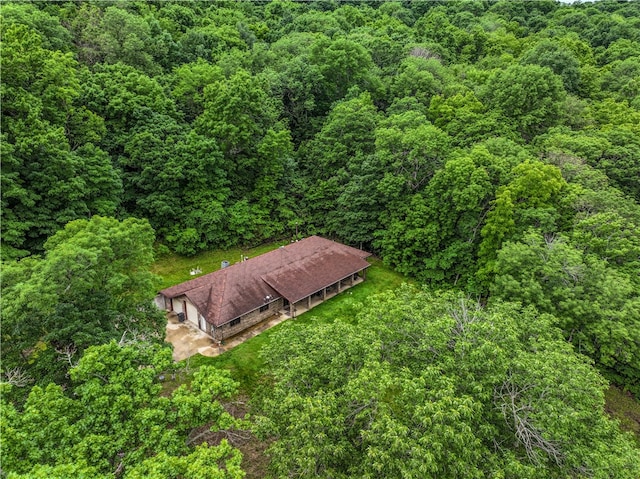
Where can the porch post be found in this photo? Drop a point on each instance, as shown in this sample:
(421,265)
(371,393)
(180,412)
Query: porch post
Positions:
(309,302)
(324,294)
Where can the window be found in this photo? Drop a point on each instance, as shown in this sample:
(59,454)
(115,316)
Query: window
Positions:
(235,322)
(264,308)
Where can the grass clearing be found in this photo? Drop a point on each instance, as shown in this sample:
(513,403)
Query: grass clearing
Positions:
(245,361)
(175,269)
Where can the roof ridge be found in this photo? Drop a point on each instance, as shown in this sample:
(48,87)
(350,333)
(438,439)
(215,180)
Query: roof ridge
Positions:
(207,306)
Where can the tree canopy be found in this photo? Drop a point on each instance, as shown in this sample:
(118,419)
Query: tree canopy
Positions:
(92,285)
(490,148)
(423,385)
(229,124)
(116,422)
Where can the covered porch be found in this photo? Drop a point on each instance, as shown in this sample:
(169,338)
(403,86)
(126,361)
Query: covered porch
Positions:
(295,308)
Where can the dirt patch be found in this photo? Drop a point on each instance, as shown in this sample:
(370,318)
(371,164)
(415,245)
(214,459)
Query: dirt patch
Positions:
(255,461)
(625,408)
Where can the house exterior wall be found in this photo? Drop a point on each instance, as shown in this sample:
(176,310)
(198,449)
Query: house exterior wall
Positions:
(203,325)
(191,312)
(246,320)
(160,301)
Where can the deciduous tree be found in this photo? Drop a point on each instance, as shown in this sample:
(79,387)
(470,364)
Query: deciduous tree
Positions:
(530,199)
(92,285)
(529,96)
(116,422)
(594,304)
(52,170)
(427,386)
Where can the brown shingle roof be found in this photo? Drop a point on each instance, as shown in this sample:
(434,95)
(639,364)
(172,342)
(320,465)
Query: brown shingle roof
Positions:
(313,273)
(293,271)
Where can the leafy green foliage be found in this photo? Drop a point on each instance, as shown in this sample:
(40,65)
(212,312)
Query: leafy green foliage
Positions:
(594,304)
(530,199)
(437,235)
(615,150)
(529,96)
(346,137)
(466,119)
(343,64)
(92,285)
(437,387)
(52,172)
(116,422)
(190,81)
(559,59)
(227,122)
(431,133)
(126,99)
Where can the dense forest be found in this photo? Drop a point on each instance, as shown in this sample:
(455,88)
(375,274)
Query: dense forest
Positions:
(488,150)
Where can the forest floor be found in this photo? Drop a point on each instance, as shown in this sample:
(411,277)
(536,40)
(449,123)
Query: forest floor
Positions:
(625,408)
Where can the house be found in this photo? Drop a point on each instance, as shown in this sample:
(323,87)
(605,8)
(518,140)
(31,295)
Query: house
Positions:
(287,280)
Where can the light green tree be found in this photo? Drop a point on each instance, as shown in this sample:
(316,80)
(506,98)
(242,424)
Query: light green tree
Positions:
(421,385)
(117,422)
(92,285)
(530,199)
(594,304)
(436,234)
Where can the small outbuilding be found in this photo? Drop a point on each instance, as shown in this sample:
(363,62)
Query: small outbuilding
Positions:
(287,280)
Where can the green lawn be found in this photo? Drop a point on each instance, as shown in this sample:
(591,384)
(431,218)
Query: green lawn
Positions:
(244,361)
(175,269)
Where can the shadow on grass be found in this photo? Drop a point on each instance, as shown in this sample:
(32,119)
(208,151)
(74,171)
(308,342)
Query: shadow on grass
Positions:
(625,408)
